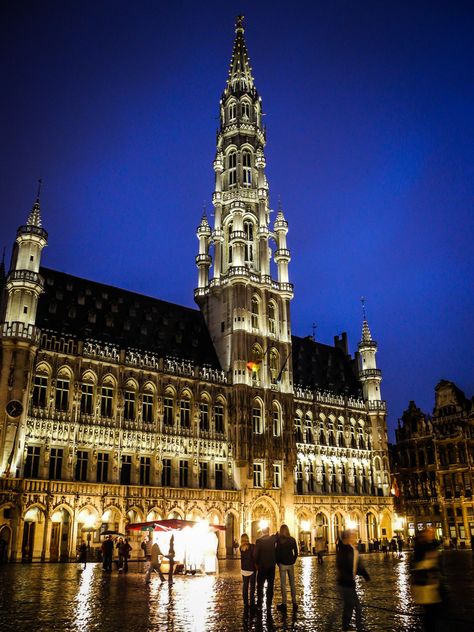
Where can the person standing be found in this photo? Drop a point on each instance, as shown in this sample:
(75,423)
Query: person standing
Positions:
(170,556)
(320,549)
(400,546)
(265,560)
(154,563)
(107,553)
(248,570)
(83,554)
(286,556)
(426,578)
(348,565)
(146,548)
(124,553)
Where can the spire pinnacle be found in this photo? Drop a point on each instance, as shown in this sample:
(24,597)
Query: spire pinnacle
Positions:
(366,335)
(34,218)
(240,72)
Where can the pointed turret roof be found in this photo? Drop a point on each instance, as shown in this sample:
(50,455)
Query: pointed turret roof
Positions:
(366,335)
(34,218)
(240,72)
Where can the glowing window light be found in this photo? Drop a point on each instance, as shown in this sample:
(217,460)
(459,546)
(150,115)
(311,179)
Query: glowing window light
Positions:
(263,524)
(305,525)
(352,524)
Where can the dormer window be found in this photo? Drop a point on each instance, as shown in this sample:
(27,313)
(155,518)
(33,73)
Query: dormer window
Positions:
(232,166)
(246,168)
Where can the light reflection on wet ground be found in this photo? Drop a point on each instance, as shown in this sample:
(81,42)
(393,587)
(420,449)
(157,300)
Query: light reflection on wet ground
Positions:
(38,597)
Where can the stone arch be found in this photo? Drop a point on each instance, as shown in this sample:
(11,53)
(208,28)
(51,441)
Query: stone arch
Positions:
(175,513)
(61,533)
(386,530)
(263,509)
(149,387)
(6,538)
(89,376)
(33,532)
(65,371)
(371,523)
(44,368)
(109,380)
(322,523)
(135,514)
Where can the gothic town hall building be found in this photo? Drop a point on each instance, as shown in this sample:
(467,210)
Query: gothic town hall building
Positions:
(118,408)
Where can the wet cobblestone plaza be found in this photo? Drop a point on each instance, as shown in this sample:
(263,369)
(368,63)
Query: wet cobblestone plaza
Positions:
(63,597)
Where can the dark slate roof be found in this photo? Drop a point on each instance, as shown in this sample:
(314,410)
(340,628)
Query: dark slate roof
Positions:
(89,310)
(322,367)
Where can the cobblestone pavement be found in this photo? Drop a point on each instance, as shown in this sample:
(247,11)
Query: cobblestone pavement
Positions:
(63,597)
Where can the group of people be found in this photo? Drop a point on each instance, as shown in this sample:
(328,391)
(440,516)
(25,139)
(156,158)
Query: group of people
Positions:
(258,565)
(154,557)
(123,547)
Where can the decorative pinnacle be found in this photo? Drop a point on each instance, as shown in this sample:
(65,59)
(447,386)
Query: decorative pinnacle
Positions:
(34,218)
(239,23)
(362,300)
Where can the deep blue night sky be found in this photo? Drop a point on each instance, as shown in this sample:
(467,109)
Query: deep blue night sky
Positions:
(369,112)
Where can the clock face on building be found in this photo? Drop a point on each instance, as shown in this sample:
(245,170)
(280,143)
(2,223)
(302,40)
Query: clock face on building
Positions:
(14,408)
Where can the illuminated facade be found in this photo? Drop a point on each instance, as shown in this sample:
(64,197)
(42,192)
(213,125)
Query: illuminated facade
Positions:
(433,461)
(117,407)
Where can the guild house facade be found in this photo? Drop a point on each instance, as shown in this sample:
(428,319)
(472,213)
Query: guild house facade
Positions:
(118,408)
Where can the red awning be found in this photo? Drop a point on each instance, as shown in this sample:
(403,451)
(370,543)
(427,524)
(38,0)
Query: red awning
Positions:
(172,524)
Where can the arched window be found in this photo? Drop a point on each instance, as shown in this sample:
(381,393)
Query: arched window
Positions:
(204,413)
(257,417)
(230,228)
(87,393)
(168,407)
(246,168)
(248,230)
(255,312)
(311,477)
(40,387)
(308,428)
(272,318)
(185,410)
(232,111)
(147,404)
(107,397)
(232,167)
(274,365)
(245,109)
(276,419)
(299,477)
(298,429)
(62,390)
(130,402)
(219,416)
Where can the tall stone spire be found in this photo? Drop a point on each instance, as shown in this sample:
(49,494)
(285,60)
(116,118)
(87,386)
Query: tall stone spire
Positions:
(34,218)
(246,310)
(240,72)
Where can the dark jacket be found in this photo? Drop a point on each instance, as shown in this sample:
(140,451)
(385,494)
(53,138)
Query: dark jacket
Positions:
(247,558)
(345,566)
(107,548)
(286,550)
(265,552)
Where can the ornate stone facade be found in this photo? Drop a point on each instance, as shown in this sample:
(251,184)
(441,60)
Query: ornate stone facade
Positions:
(433,462)
(116,407)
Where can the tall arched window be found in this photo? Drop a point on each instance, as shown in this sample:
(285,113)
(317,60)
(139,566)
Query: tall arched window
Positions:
(257,417)
(232,111)
(274,365)
(232,167)
(185,410)
(246,168)
(168,407)
(248,230)
(130,401)
(276,419)
(255,312)
(308,428)
(272,318)
(245,109)
(62,390)
(298,429)
(230,228)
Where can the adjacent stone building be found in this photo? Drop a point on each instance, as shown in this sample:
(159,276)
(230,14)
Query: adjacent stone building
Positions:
(433,462)
(117,407)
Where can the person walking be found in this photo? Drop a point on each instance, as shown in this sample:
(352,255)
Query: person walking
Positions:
(400,546)
(154,563)
(265,560)
(427,589)
(348,565)
(320,549)
(248,570)
(107,553)
(146,548)
(82,559)
(286,556)
(170,556)
(385,546)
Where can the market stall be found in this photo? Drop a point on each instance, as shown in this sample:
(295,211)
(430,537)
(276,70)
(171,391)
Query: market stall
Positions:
(195,543)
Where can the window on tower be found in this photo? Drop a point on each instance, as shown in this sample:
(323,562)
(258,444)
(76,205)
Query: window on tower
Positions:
(272,318)
(255,312)
(246,168)
(245,110)
(257,421)
(229,245)
(232,167)
(232,111)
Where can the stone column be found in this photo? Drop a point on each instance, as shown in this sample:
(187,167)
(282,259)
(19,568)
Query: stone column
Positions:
(17,540)
(48,525)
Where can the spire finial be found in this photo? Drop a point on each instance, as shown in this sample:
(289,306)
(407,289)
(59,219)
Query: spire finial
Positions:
(314,327)
(279,202)
(239,23)
(40,184)
(364,313)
